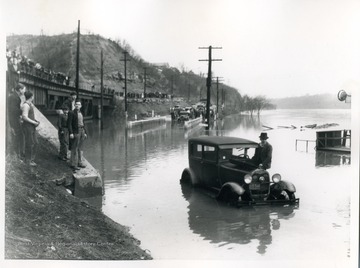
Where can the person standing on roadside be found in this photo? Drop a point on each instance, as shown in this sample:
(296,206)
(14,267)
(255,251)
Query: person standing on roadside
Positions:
(29,125)
(78,135)
(70,104)
(63,132)
(15,101)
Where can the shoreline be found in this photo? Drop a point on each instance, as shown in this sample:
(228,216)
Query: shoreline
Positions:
(44,221)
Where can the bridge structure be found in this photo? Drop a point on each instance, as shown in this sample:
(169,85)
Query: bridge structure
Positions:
(49,95)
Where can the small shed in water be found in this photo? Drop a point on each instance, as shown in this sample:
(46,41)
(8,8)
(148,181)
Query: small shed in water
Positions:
(334,140)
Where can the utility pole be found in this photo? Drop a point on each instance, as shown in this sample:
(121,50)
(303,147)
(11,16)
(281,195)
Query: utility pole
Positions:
(223,97)
(144,81)
(217,95)
(188,91)
(172,87)
(77,61)
(208,82)
(102,92)
(125,59)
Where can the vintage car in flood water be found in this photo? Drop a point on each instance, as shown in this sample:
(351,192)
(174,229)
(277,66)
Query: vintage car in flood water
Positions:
(224,164)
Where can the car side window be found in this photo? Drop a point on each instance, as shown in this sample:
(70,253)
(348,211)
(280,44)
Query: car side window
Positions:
(238,151)
(209,153)
(249,152)
(196,150)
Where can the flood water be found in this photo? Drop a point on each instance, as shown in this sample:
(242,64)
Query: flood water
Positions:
(141,170)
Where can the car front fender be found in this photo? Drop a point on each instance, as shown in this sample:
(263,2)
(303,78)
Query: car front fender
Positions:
(230,190)
(285,185)
(188,176)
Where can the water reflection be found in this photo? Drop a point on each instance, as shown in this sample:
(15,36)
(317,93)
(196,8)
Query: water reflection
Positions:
(148,162)
(195,131)
(223,224)
(326,159)
(241,121)
(141,130)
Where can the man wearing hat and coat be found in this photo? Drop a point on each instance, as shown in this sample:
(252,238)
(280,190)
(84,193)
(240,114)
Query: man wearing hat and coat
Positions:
(263,153)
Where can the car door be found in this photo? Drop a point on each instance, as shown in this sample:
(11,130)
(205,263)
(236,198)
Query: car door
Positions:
(209,173)
(195,160)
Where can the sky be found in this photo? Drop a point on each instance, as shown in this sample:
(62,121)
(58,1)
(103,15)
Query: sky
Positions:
(274,48)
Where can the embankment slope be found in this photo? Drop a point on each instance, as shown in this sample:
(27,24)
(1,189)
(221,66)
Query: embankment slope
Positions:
(44,221)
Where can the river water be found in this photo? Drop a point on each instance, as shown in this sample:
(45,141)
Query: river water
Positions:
(141,170)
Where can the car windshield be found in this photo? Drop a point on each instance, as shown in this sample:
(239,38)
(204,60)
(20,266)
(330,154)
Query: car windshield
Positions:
(236,152)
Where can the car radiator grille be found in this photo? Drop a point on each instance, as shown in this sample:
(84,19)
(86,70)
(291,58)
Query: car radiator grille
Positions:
(259,189)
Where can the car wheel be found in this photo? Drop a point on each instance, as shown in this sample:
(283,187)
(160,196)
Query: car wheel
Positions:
(186,177)
(291,195)
(287,195)
(228,195)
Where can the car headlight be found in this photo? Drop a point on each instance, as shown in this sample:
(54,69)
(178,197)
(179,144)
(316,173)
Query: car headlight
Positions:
(276,178)
(248,178)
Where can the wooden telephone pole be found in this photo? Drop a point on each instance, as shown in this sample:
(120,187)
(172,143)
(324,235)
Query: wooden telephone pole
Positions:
(102,92)
(125,59)
(223,97)
(144,81)
(172,87)
(77,61)
(208,82)
(217,95)
(188,91)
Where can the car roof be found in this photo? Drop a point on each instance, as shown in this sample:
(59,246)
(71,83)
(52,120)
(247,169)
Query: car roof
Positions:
(221,140)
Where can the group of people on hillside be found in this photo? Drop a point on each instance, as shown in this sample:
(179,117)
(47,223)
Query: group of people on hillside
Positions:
(21,117)
(20,63)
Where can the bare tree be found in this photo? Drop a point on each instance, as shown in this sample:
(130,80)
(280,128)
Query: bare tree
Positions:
(260,103)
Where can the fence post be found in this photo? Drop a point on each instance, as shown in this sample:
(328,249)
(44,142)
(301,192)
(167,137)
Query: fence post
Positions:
(307,145)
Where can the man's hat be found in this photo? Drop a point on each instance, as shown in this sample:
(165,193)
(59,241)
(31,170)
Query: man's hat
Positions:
(263,136)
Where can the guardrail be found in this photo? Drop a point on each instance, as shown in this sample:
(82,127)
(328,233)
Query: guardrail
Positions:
(192,123)
(142,123)
(307,144)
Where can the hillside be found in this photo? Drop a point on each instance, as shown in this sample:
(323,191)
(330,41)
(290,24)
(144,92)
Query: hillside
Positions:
(320,101)
(58,53)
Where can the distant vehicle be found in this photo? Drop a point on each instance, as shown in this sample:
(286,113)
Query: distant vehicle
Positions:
(223,164)
(175,112)
(184,116)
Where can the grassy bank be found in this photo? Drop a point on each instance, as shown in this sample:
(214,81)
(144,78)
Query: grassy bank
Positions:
(44,221)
